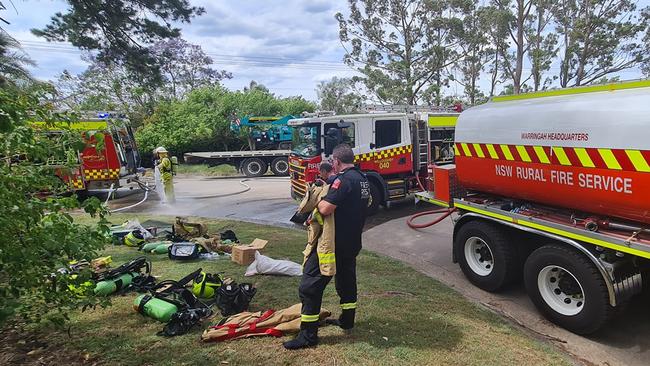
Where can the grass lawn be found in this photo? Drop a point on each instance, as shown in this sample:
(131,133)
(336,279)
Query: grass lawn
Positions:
(403,317)
(204,169)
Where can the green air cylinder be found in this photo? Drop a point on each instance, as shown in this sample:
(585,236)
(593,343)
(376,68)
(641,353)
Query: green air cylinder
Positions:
(107,287)
(161,249)
(147,248)
(160,310)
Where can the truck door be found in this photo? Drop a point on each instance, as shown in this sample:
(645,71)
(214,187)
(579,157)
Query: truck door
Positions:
(391,148)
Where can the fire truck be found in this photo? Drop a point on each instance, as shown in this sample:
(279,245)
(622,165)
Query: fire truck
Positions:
(554,187)
(392,145)
(110,157)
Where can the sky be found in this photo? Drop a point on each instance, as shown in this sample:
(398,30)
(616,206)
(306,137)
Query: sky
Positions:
(287,45)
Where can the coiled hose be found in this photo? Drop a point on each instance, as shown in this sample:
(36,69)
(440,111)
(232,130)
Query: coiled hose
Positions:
(444,211)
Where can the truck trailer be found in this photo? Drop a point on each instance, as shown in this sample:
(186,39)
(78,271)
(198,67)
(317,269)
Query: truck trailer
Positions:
(554,188)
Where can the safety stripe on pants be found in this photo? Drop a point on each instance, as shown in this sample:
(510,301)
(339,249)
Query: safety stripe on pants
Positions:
(309,318)
(326,258)
(349,305)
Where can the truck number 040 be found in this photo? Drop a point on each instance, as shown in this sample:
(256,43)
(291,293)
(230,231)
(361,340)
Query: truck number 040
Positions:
(384,164)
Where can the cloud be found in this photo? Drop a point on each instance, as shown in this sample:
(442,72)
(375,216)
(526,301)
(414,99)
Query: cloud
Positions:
(286,47)
(318,6)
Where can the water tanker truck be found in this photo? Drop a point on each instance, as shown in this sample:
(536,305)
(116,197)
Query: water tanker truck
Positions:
(554,187)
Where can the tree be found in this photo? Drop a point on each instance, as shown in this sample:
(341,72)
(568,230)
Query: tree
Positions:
(542,44)
(201,121)
(185,66)
(645,66)
(338,95)
(110,86)
(13,62)
(495,21)
(121,30)
(599,38)
(518,14)
(40,236)
(475,46)
(401,47)
(254,85)
(107,86)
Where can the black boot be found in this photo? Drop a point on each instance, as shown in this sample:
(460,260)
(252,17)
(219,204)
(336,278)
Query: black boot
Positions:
(308,337)
(345,321)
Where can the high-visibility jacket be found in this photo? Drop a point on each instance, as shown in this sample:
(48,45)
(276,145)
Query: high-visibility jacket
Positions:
(247,324)
(320,234)
(165,168)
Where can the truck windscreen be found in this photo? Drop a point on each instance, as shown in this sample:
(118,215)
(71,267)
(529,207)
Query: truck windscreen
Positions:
(306,140)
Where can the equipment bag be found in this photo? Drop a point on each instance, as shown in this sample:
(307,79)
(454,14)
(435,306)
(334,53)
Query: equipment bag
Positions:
(229,235)
(233,299)
(206,285)
(183,251)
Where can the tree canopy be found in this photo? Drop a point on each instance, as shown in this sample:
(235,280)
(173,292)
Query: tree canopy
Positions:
(121,30)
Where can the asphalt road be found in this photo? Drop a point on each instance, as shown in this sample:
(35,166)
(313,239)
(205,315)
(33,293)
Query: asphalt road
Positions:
(625,341)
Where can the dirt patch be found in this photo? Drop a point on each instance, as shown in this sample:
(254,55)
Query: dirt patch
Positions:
(20,347)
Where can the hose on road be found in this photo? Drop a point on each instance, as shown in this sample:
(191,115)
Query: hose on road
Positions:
(444,211)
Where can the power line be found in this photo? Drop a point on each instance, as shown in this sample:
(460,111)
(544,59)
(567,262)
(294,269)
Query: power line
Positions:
(234,60)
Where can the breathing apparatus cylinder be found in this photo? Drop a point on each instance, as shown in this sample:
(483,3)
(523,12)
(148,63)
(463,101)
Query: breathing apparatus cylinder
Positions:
(147,248)
(152,307)
(107,287)
(161,249)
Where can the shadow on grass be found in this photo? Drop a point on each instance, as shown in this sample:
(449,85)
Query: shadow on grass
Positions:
(399,331)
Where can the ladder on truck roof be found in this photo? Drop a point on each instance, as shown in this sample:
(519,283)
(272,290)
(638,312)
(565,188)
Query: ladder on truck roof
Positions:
(405,108)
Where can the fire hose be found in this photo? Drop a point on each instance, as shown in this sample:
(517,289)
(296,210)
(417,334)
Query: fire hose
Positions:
(444,211)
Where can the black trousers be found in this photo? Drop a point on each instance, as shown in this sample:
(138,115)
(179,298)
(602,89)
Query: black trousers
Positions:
(313,285)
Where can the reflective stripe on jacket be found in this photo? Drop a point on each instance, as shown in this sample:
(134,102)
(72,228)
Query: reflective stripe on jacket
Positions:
(165,168)
(320,234)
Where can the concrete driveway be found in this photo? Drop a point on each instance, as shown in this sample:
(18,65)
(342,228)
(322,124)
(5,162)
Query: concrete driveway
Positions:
(625,341)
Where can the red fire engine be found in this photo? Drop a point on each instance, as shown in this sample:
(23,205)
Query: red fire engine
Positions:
(391,147)
(111,163)
(554,187)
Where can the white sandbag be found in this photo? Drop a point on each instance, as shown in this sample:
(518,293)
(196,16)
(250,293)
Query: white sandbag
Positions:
(266,265)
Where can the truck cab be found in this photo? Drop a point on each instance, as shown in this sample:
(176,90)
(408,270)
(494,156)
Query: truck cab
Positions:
(391,148)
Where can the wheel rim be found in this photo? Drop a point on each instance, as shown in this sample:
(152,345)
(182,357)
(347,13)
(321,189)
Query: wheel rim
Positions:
(254,167)
(479,256)
(561,290)
(282,166)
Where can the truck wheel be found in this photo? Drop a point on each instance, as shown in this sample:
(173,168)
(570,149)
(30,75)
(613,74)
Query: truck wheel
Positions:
(280,167)
(254,167)
(567,288)
(485,255)
(375,199)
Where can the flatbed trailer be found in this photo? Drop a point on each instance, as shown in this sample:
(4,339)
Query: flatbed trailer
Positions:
(250,163)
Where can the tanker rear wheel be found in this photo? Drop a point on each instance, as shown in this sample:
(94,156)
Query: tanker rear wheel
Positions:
(567,288)
(485,255)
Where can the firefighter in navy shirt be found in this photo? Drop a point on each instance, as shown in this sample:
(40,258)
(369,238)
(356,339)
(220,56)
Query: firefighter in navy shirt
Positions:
(348,199)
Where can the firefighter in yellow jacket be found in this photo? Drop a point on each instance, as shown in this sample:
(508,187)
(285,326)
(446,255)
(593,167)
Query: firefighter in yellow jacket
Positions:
(340,208)
(166,174)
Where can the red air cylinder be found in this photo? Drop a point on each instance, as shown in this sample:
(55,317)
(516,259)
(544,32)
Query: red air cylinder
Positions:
(587,151)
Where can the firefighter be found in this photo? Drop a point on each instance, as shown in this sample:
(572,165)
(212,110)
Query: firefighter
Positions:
(166,174)
(326,173)
(347,199)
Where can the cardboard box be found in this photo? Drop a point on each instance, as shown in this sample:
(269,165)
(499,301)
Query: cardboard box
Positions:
(245,254)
